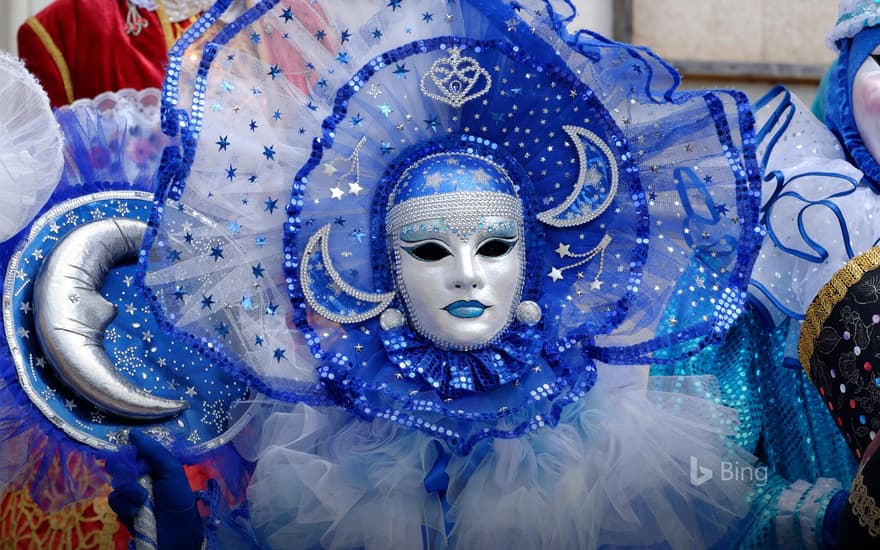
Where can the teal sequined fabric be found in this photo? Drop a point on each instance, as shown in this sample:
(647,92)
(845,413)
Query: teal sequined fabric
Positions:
(783,421)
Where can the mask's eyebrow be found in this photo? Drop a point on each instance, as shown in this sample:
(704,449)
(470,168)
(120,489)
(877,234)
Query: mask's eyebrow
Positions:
(418,235)
(506,231)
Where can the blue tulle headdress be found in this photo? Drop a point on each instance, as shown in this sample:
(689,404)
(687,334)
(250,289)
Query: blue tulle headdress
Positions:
(317,137)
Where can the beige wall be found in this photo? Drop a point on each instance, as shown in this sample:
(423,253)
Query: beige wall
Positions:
(781,31)
(747,32)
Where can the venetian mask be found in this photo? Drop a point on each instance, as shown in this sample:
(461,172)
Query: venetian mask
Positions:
(455,230)
(866,103)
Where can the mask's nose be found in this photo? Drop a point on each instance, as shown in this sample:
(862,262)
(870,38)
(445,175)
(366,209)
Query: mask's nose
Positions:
(466,273)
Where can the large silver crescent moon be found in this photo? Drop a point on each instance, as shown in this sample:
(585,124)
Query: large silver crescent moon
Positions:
(349,304)
(71,316)
(579,207)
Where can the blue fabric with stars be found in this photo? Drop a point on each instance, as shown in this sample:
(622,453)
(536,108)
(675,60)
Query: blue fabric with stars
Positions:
(632,195)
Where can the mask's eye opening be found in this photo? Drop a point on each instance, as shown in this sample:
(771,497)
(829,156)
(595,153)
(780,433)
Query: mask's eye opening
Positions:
(495,248)
(428,252)
(875,57)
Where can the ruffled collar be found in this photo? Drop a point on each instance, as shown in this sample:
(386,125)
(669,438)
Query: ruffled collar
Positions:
(453,373)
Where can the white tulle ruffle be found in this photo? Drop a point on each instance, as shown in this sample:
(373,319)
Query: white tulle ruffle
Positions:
(617,470)
(813,205)
(30,147)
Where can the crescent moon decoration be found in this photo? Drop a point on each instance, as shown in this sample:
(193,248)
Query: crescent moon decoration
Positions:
(327,293)
(160,364)
(71,316)
(596,185)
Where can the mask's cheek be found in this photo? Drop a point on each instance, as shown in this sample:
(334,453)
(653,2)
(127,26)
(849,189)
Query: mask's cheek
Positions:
(866,105)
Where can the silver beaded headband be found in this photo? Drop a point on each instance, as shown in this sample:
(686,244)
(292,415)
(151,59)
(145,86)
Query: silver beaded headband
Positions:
(464,211)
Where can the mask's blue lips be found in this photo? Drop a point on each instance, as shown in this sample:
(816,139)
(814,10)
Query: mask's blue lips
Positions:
(466,309)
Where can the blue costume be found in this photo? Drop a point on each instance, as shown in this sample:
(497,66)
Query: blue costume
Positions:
(443,258)
(335,168)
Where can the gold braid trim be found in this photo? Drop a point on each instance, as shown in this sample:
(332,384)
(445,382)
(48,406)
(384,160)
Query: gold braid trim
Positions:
(86,524)
(167,29)
(829,296)
(55,53)
(864,506)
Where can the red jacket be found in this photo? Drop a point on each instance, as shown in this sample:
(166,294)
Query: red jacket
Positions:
(79,48)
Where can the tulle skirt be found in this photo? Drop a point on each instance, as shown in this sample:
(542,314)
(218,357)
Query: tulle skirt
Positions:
(626,466)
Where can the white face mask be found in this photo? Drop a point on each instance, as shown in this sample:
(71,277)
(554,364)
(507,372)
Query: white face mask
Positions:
(461,292)
(866,104)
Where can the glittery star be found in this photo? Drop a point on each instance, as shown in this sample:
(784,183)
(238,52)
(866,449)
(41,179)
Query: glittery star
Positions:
(385,109)
(355,188)
(147,336)
(20,274)
(345,36)
(69,404)
(394,4)
(555,274)
(253,125)
(287,15)
(222,329)
(260,240)
(274,71)
(130,309)
(247,302)
(258,341)
(596,285)
(127,280)
(40,362)
(721,209)
(191,392)
(434,180)
(427,17)
(256,91)
(207,301)
(270,205)
(358,234)
(433,123)
(216,252)
(53,227)
(23,333)
(255,37)
(269,152)
(336,193)
(271,309)
(173,255)
(340,221)
(356,120)
(276,115)
(37,254)
(563,250)
(252,179)
(179,293)
(320,34)
(188,238)
(322,83)
(342,58)
(377,34)
(278,354)
(258,270)
(400,70)
(230,172)
(25,307)
(386,148)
